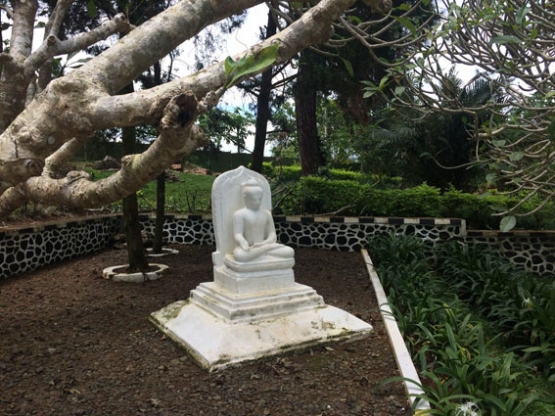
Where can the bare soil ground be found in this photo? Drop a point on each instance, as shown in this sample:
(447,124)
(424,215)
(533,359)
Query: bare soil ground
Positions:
(72,343)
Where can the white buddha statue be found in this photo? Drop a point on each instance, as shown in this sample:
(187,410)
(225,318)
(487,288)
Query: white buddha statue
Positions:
(253,228)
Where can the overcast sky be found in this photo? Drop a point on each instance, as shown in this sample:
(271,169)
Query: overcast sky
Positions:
(236,43)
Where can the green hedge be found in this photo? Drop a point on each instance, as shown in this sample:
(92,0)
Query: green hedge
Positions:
(317,195)
(293,174)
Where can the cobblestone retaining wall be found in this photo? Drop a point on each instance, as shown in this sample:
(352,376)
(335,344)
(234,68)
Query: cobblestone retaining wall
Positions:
(328,233)
(24,249)
(28,248)
(530,250)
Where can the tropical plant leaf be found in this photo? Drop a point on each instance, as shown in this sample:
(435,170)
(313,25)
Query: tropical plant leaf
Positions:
(399,90)
(252,64)
(507,223)
(503,40)
(516,156)
(405,21)
(91,9)
(348,67)
(521,14)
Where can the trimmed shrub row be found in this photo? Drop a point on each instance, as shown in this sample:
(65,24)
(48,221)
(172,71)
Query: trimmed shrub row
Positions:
(320,195)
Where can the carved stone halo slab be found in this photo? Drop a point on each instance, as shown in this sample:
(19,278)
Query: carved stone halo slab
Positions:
(252,309)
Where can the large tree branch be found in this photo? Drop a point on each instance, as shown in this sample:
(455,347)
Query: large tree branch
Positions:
(52,29)
(8,10)
(55,161)
(154,39)
(22,28)
(13,82)
(52,46)
(77,104)
(56,18)
(146,106)
(61,112)
(178,137)
(73,107)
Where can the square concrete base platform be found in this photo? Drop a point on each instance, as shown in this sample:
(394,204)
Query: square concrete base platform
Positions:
(216,342)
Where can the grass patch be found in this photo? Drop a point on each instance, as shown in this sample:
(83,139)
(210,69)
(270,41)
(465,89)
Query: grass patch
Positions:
(190,194)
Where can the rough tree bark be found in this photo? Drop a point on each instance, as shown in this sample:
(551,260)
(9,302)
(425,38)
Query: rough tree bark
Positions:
(160,187)
(310,151)
(263,107)
(74,106)
(160,213)
(136,256)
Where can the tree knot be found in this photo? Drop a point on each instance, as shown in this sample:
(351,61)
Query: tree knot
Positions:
(180,111)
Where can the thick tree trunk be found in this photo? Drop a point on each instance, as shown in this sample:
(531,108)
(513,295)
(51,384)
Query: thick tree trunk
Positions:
(160,187)
(312,157)
(160,208)
(135,250)
(263,108)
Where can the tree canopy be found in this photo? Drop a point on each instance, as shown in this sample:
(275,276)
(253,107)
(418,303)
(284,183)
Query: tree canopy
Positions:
(509,45)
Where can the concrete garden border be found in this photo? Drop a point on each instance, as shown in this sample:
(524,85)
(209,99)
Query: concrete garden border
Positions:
(402,355)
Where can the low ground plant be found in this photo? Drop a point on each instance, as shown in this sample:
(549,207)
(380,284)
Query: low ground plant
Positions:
(459,319)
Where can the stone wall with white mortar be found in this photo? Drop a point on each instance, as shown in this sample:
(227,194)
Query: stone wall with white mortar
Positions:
(24,249)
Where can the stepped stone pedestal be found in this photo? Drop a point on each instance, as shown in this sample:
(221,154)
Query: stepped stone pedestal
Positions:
(253,309)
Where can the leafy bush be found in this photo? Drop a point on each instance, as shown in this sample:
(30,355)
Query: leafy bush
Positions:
(346,175)
(318,195)
(382,181)
(267,170)
(360,195)
(421,200)
(281,173)
(476,210)
(293,173)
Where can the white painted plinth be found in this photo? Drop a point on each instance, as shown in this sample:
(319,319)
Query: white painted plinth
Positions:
(216,343)
(248,307)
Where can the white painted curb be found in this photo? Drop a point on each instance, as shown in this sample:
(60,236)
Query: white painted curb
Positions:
(166,251)
(402,356)
(110,273)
